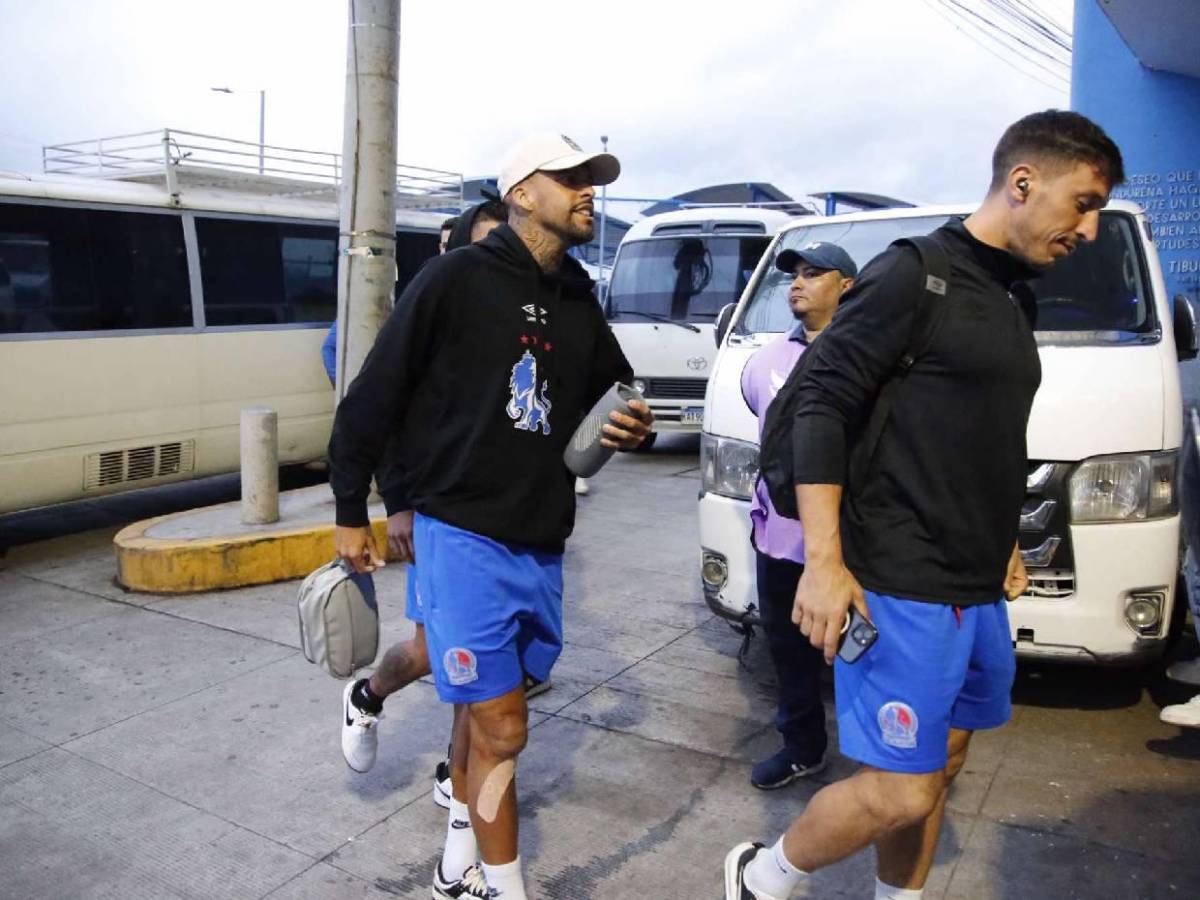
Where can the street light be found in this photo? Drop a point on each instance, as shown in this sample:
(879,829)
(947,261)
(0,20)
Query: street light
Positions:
(262,119)
(603,219)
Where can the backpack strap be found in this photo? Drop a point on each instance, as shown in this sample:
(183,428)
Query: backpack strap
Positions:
(931,307)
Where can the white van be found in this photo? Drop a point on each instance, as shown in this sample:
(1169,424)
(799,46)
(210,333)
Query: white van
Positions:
(1100,525)
(672,275)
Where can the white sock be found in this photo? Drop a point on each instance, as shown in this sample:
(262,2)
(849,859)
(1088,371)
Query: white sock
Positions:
(887,892)
(461,849)
(505,880)
(770,873)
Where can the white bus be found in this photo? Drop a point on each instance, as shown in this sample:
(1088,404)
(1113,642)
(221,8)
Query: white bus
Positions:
(139,315)
(672,275)
(1100,528)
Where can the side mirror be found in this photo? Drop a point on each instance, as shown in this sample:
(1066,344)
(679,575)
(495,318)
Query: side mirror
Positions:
(725,317)
(1186,346)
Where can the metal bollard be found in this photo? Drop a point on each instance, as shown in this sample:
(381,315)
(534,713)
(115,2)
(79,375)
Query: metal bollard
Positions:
(260,465)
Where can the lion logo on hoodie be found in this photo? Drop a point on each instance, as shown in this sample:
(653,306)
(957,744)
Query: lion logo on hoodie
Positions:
(529,408)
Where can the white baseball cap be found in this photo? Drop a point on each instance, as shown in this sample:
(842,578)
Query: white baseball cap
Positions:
(553,153)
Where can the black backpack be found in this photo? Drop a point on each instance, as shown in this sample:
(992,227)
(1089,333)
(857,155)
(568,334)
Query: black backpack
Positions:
(775,453)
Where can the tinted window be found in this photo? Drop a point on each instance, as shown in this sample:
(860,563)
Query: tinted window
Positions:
(267,273)
(413,250)
(682,278)
(1098,293)
(272,273)
(769,311)
(65,269)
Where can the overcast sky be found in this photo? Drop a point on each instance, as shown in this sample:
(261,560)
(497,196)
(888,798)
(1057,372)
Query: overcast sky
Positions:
(873,95)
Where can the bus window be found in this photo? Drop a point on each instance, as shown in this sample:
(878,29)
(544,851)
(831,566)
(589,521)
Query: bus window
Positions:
(68,269)
(267,273)
(413,250)
(309,274)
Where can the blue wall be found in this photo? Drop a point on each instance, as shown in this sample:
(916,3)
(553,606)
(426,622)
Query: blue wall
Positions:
(1155,119)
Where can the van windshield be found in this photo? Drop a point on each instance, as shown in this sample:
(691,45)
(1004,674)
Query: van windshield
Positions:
(682,279)
(1098,294)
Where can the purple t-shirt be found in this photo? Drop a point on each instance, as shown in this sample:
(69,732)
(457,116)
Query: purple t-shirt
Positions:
(765,373)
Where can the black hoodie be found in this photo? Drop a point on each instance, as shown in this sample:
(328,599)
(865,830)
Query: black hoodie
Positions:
(390,474)
(484,369)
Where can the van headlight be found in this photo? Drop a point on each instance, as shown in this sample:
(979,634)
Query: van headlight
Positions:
(728,467)
(1126,488)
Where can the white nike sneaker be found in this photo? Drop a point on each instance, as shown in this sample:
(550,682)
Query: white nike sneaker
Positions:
(735,872)
(581,486)
(1186,715)
(441,784)
(472,884)
(360,741)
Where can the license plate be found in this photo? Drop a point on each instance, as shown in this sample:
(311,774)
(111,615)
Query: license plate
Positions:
(692,415)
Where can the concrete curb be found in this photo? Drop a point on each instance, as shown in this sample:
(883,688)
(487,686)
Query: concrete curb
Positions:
(190,565)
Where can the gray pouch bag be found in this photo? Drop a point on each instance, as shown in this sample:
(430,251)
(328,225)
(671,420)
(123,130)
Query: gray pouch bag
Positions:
(339,619)
(584,455)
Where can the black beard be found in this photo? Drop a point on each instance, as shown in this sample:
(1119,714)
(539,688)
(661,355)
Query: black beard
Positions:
(577,236)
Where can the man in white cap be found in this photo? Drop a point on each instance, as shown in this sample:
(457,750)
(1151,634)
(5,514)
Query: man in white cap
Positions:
(488,363)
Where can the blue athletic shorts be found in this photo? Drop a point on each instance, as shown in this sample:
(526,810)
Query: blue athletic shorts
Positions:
(414,609)
(491,611)
(933,668)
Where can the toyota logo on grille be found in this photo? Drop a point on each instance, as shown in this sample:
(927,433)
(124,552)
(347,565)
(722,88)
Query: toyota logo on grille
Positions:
(696,363)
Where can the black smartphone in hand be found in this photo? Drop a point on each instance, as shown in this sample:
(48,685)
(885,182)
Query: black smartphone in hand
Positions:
(857,636)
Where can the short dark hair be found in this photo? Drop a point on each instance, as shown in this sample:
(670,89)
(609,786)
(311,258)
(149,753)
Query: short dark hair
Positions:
(1058,135)
(449,223)
(495,210)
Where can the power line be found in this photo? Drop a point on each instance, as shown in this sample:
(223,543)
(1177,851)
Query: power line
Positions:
(1012,49)
(944,14)
(1014,43)
(1034,26)
(1035,10)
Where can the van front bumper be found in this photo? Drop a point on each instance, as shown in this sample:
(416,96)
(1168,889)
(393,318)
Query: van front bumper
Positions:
(727,561)
(1115,564)
(677,415)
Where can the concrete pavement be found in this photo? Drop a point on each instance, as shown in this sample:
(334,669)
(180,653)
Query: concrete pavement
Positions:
(166,747)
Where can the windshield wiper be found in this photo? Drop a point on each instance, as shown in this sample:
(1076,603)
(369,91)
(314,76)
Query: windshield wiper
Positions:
(657,318)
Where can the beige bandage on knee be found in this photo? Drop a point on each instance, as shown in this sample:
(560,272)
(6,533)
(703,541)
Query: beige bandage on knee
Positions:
(491,792)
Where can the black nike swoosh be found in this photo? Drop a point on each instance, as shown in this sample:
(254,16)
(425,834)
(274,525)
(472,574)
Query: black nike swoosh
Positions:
(459,824)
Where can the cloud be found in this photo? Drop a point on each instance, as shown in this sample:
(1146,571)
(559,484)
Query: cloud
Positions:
(873,95)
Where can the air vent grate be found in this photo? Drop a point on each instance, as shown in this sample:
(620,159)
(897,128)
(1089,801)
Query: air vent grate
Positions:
(677,388)
(169,458)
(138,464)
(112,467)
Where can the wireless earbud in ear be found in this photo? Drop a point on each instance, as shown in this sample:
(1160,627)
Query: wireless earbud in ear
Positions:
(1023,185)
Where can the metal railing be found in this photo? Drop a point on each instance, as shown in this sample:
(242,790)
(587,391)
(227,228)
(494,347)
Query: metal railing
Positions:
(170,152)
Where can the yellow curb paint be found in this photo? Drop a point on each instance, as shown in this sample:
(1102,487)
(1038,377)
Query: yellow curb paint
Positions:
(190,565)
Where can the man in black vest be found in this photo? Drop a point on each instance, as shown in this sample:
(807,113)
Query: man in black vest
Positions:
(925,546)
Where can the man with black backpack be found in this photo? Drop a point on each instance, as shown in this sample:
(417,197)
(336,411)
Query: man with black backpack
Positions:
(822,273)
(911,516)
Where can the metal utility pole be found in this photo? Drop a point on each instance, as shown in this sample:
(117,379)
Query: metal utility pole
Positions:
(262,127)
(367,245)
(603,223)
(262,119)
